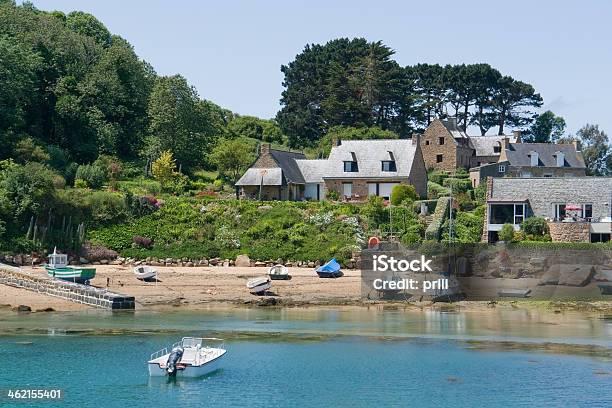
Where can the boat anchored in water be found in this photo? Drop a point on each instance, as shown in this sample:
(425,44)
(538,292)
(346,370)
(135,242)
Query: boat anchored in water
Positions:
(189,357)
(58,268)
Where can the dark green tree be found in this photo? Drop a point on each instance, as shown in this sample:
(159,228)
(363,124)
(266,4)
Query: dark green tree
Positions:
(596,149)
(546,128)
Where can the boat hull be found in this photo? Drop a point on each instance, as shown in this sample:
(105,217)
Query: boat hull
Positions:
(261,288)
(325,274)
(69,273)
(188,372)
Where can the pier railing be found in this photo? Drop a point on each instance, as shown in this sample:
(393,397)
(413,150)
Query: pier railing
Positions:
(74,292)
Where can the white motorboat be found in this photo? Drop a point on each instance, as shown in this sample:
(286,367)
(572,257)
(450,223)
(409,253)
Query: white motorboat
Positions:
(187,358)
(145,272)
(259,285)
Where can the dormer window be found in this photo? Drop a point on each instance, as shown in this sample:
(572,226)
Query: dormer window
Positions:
(388,165)
(535,159)
(350,166)
(497,149)
(560,159)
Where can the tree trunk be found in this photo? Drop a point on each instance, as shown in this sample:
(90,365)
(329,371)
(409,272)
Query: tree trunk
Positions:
(502,119)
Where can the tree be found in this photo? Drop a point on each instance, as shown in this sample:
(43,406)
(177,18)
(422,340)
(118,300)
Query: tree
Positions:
(254,128)
(27,190)
(88,25)
(546,128)
(506,233)
(511,101)
(352,133)
(596,150)
(179,122)
(164,168)
(232,157)
(402,193)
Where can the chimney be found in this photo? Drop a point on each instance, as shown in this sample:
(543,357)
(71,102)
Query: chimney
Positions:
(416,139)
(506,143)
(336,142)
(576,144)
(452,123)
(517,135)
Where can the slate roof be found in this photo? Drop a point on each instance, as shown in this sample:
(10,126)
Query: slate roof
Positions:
(543,192)
(518,154)
(456,131)
(484,144)
(253,176)
(369,154)
(286,161)
(313,171)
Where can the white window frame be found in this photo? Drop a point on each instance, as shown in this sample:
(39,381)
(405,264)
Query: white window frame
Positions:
(502,168)
(350,188)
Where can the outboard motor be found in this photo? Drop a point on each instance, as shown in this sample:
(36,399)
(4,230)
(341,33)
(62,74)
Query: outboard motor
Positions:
(173,359)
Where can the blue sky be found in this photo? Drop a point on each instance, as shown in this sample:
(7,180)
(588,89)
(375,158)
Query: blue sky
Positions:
(231,51)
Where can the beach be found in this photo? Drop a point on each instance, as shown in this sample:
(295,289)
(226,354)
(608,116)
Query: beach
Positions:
(193,288)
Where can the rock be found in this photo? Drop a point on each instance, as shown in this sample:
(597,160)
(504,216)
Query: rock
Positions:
(214,261)
(576,275)
(267,301)
(115,262)
(539,263)
(288,264)
(226,263)
(157,263)
(317,263)
(551,277)
(84,261)
(264,207)
(46,309)
(104,261)
(260,263)
(232,262)
(168,260)
(311,264)
(204,262)
(189,264)
(22,309)
(279,261)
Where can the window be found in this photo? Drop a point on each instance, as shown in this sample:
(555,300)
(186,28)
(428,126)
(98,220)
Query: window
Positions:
(427,142)
(603,237)
(388,165)
(347,189)
(547,175)
(351,167)
(535,159)
(441,140)
(559,212)
(439,158)
(587,211)
(502,168)
(496,149)
(506,213)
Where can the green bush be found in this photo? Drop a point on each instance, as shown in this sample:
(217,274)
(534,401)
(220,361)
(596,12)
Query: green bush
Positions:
(437,176)
(375,212)
(332,195)
(403,192)
(536,226)
(94,176)
(107,207)
(457,185)
(435,190)
(466,227)
(506,233)
(80,183)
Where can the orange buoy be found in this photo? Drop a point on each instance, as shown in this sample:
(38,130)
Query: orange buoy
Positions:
(373,242)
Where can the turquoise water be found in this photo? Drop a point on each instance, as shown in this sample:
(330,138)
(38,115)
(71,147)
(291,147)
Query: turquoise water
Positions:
(308,358)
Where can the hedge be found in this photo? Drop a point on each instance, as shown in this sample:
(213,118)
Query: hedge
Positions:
(434,229)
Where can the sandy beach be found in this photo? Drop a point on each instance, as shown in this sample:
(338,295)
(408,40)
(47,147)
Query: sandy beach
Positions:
(192,288)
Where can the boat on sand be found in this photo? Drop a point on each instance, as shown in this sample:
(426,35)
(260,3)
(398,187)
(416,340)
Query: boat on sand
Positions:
(258,286)
(145,273)
(58,267)
(330,270)
(279,272)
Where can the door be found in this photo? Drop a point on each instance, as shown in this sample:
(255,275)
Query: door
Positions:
(347,189)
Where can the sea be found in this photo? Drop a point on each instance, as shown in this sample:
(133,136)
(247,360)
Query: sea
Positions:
(313,357)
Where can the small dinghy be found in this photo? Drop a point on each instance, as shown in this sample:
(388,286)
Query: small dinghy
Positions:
(258,286)
(145,273)
(330,270)
(518,293)
(187,358)
(279,272)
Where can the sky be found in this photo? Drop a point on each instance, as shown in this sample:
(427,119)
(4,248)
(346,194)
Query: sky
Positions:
(232,50)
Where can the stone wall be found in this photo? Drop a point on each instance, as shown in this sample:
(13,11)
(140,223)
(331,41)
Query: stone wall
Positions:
(265,159)
(431,147)
(570,231)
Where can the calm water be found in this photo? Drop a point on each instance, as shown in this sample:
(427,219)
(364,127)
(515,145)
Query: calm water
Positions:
(300,358)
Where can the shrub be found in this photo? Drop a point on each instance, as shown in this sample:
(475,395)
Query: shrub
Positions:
(143,205)
(164,168)
(536,226)
(94,176)
(142,242)
(332,195)
(80,183)
(375,211)
(480,193)
(431,206)
(506,233)
(403,192)
(107,207)
(95,253)
(218,185)
(437,176)
(434,190)
(457,185)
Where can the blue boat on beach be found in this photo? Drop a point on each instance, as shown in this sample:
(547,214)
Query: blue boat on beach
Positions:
(330,270)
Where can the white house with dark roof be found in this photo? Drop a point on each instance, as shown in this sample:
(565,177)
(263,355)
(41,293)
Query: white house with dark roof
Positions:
(578,209)
(355,169)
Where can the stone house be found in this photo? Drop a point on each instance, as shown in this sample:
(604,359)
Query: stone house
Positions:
(578,209)
(355,169)
(533,160)
(446,146)
(274,176)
